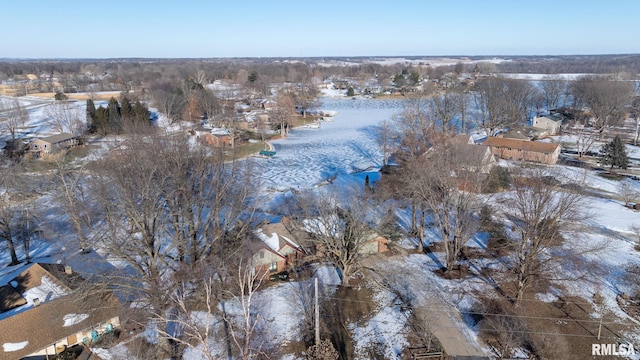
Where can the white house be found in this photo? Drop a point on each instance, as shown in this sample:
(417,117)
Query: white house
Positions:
(551,123)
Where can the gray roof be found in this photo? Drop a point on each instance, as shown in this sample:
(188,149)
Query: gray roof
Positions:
(54,139)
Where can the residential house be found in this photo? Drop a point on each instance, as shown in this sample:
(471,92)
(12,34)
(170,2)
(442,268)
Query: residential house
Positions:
(473,157)
(533,151)
(54,143)
(278,249)
(551,123)
(42,313)
(341,84)
(477,158)
(212,137)
(374,244)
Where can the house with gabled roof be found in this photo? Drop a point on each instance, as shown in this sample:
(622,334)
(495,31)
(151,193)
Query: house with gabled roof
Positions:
(54,143)
(42,312)
(278,248)
(551,123)
(533,151)
(472,157)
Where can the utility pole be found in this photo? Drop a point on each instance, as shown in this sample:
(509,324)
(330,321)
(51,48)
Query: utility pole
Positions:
(317,317)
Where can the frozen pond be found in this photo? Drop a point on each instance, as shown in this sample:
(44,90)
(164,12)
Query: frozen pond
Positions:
(344,146)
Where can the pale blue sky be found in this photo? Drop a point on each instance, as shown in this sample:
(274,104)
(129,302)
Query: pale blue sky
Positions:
(291,28)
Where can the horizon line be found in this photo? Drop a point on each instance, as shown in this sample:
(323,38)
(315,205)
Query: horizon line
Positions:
(310,57)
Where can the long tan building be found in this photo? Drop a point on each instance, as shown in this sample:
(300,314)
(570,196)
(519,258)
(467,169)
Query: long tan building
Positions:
(522,150)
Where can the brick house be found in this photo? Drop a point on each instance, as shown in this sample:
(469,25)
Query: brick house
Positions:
(374,244)
(533,151)
(278,249)
(41,314)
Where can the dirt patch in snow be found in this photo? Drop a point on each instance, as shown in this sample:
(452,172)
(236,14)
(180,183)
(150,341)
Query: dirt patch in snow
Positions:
(562,329)
(349,304)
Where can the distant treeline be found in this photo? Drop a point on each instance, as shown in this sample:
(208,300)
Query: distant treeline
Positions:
(289,68)
(591,64)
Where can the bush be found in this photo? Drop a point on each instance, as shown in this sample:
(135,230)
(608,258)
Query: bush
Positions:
(60,96)
(498,179)
(350,91)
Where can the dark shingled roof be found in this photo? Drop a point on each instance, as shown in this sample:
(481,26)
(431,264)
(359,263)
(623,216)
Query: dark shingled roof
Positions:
(43,325)
(54,139)
(10,298)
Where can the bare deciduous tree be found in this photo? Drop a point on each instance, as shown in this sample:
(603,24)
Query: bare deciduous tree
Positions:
(635,108)
(605,98)
(444,108)
(163,205)
(185,327)
(554,89)
(7,214)
(463,100)
(628,193)
(415,128)
(13,116)
(446,180)
(502,327)
(168,100)
(387,138)
(65,118)
(12,218)
(206,197)
(282,113)
(243,326)
(340,228)
(305,97)
(541,213)
(502,103)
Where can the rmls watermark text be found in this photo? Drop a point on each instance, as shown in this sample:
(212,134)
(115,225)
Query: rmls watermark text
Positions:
(612,349)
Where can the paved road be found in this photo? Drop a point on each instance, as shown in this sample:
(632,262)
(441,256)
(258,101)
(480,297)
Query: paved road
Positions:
(424,295)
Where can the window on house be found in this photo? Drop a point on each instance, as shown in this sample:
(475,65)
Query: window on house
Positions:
(273,266)
(261,254)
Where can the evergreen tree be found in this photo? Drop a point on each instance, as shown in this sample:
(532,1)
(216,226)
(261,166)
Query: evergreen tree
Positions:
(414,78)
(350,91)
(141,113)
(91,111)
(253,77)
(614,154)
(126,110)
(114,120)
(399,80)
(100,121)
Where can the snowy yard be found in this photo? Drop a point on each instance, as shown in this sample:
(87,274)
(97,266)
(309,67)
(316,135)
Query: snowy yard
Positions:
(343,150)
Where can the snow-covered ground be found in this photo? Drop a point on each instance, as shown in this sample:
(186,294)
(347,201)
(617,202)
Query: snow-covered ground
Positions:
(341,147)
(343,150)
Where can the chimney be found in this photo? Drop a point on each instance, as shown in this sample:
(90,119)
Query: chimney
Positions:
(36,302)
(67,270)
